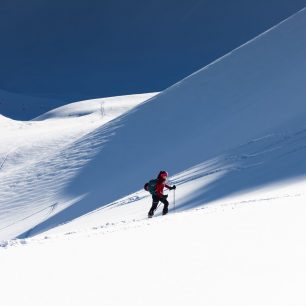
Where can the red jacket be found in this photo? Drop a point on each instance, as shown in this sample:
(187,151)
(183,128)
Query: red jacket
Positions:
(160,188)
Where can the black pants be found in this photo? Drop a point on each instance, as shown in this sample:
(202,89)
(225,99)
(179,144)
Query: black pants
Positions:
(156,200)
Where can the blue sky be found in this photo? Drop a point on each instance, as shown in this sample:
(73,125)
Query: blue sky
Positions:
(77,49)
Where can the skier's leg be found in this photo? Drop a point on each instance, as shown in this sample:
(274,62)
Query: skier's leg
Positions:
(155,201)
(166,204)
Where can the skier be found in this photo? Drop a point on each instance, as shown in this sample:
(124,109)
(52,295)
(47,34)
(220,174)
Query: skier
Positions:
(156,188)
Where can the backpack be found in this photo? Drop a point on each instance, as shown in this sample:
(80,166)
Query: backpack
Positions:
(151,186)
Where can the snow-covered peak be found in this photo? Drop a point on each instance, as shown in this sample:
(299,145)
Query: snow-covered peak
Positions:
(102,107)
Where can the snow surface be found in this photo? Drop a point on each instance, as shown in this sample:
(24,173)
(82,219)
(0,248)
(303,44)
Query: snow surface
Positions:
(232,136)
(39,158)
(250,251)
(241,118)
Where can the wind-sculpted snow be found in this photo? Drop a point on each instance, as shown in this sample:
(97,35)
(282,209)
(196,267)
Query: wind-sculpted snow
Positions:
(255,91)
(261,163)
(39,158)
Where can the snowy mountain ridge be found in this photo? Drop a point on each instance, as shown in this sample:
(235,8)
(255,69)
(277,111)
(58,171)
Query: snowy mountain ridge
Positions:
(233,138)
(217,111)
(237,94)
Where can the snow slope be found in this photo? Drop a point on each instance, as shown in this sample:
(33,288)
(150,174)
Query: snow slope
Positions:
(39,158)
(238,253)
(234,126)
(233,137)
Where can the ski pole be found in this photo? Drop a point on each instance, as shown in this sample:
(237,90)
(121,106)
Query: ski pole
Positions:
(157,207)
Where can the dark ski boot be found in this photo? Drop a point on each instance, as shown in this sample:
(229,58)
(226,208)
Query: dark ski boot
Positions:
(165,211)
(150,214)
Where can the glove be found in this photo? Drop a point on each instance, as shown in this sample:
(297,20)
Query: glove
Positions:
(173,187)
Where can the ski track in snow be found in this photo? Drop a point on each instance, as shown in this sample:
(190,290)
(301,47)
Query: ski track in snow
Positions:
(253,154)
(250,153)
(110,227)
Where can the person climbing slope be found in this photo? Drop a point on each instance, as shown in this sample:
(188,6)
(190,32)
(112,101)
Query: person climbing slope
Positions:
(156,188)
